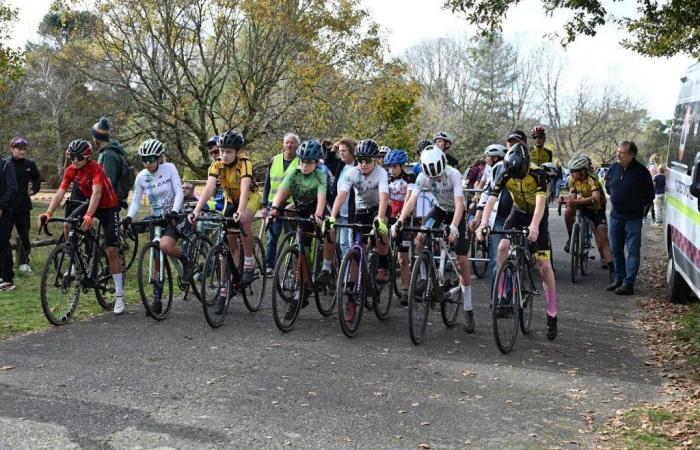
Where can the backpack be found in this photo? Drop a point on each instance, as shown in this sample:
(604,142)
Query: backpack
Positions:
(127,177)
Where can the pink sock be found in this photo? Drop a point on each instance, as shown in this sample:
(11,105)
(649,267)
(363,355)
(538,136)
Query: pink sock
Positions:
(551,296)
(502,287)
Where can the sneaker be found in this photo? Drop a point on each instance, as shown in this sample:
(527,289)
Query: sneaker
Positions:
(623,289)
(118,304)
(157,306)
(6,286)
(269,272)
(382,275)
(248,276)
(187,271)
(421,284)
(25,268)
(350,312)
(469,326)
(404,298)
(551,327)
(323,278)
(73,272)
(567,246)
(614,285)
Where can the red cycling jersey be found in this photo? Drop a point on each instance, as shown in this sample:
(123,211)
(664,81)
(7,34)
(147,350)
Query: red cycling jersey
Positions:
(90,175)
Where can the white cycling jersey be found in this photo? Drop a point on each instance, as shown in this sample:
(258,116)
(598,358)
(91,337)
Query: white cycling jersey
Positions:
(367,187)
(445,189)
(163,188)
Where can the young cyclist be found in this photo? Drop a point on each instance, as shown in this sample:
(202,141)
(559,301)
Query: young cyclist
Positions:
(161,183)
(235,173)
(308,185)
(93,184)
(370,185)
(527,185)
(400,183)
(446,185)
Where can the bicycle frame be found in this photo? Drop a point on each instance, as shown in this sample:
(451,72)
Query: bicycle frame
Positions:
(306,274)
(519,255)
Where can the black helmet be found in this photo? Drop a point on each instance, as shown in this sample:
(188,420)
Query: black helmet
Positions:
(517,161)
(367,147)
(80,147)
(422,144)
(231,139)
(310,150)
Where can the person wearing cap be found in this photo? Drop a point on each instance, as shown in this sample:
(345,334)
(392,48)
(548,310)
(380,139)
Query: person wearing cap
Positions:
(110,153)
(516,137)
(443,141)
(213,148)
(25,171)
(8,191)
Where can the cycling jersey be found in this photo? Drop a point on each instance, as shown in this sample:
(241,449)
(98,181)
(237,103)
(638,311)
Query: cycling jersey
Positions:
(305,188)
(398,190)
(445,188)
(540,156)
(90,175)
(367,187)
(230,177)
(523,192)
(585,188)
(163,189)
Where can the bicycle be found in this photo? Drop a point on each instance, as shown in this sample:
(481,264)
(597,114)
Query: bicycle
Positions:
(580,245)
(159,276)
(359,263)
(76,265)
(294,276)
(513,291)
(478,250)
(441,285)
(221,278)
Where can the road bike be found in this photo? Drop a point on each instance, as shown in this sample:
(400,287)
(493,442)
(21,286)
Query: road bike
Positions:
(580,246)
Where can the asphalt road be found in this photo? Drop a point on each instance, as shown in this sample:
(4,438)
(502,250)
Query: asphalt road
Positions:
(131,382)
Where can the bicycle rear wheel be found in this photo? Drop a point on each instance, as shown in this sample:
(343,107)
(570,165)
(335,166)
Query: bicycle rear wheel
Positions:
(505,306)
(479,249)
(60,284)
(286,297)
(527,293)
(326,297)
(254,294)
(153,279)
(420,294)
(215,285)
(350,294)
(575,252)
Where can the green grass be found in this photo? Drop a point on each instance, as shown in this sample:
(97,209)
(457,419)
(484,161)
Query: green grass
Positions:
(688,336)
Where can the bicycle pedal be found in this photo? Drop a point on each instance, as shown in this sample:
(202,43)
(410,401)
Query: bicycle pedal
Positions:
(535,292)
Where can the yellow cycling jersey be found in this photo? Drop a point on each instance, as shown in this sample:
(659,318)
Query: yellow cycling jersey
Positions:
(523,192)
(540,156)
(230,177)
(585,188)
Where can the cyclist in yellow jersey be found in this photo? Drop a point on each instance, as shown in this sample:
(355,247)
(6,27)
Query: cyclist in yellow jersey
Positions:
(234,172)
(527,186)
(586,194)
(539,154)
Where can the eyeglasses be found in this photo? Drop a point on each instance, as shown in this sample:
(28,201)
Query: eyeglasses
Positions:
(149,159)
(364,159)
(76,157)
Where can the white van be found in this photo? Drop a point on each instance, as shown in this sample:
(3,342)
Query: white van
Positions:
(682,210)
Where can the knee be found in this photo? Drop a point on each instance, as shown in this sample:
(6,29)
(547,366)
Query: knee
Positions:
(502,247)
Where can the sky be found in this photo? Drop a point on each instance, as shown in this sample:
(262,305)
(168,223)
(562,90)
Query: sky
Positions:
(599,60)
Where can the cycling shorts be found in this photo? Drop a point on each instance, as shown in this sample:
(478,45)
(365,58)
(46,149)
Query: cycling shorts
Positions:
(440,217)
(597,217)
(403,238)
(542,248)
(109,221)
(170,230)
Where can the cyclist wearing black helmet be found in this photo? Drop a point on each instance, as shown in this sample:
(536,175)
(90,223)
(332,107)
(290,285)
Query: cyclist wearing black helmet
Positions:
(527,185)
(235,173)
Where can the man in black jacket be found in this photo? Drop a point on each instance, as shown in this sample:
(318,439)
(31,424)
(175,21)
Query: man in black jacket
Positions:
(630,187)
(8,191)
(25,171)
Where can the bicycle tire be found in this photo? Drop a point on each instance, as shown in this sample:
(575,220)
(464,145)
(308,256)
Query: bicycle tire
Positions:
(326,297)
(57,266)
(215,298)
(452,299)
(129,248)
(583,263)
(395,276)
(350,295)
(504,312)
(574,252)
(284,240)
(527,293)
(104,282)
(254,294)
(147,283)
(419,302)
(479,249)
(287,280)
(382,293)
(198,249)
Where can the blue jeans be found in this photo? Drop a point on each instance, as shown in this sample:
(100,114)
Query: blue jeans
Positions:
(625,233)
(344,237)
(272,237)
(495,240)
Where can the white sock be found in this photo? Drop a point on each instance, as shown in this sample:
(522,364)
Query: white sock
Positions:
(248,262)
(326,265)
(467,296)
(423,271)
(118,284)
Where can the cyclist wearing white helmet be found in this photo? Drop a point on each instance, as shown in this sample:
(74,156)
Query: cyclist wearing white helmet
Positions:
(443,141)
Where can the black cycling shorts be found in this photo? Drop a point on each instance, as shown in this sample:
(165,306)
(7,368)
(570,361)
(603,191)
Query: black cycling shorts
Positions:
(75,200)
(542,248)
(230,210)
(403,238)
(109,221)
(170,230)
(440,216)
(597,217)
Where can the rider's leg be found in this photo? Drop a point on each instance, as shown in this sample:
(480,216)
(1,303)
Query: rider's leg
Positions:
(169,246)
(569,218)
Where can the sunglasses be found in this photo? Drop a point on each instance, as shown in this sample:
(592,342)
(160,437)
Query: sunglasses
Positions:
(76,157)
(149,159)
(364,159)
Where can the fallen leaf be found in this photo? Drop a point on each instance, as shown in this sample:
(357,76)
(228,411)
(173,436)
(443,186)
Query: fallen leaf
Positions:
(424,445)
(424,424)
(7,367)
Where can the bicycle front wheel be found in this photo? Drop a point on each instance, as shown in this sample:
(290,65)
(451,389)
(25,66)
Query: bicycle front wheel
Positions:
(104,282)
(420,294)
(287,291)
(505,306)
(575,250)
(382,292)
(215,285)
(197,252)
(527,295)
(325,296)
(585,247)
(452,299)
(254,294)
(129,248)
(155,282)
(480,249)
(60,284)
(351,295)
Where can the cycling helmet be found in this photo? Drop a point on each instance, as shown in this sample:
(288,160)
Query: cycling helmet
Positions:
(214,140)
(151,147)
(396,157)
(538,131)
(549,169)
(495,150)
(433,161)
(444,136)
(310,150)
(384,150)
(517,161)
(80,147)
(367,147)
(579,162)
(422,144)
(19,142)
(231,139)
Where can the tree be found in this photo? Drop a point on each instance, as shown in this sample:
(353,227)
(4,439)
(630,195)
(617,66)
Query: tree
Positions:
(11,60)
(662,28)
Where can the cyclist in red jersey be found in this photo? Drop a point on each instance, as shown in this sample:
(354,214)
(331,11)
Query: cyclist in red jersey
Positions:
(93,183)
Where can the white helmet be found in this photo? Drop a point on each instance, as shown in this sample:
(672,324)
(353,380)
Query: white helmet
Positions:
(549,169)
(433,161)
(383,150)
(151,147)
(579,162)
(495,150)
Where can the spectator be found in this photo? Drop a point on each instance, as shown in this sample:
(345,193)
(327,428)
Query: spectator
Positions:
(516,137)
(25,171)
(213,148)
(558,179)
(653,171)
(346,153)
(188,192)
(473,175)
(660,193)
(8,191)
(111,154)
(630,187)
(273,178)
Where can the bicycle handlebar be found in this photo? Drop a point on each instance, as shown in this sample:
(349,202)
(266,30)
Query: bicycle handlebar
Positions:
(525,232)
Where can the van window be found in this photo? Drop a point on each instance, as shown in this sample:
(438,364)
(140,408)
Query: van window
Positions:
(684,142)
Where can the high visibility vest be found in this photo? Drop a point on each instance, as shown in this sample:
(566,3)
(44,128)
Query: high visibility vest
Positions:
(277,174)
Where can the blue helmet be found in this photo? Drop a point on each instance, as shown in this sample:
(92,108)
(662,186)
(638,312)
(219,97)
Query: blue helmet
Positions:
(368,148)
(396,157)
(310,150)
(213,141)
